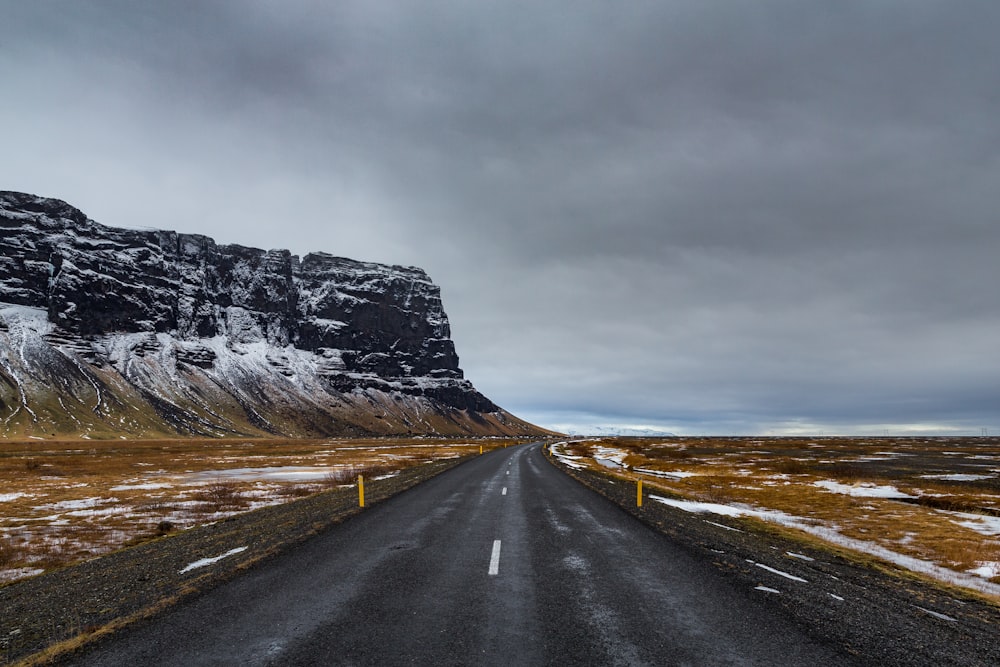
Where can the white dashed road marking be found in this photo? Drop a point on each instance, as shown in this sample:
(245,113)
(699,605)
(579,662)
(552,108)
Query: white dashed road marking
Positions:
(495,558)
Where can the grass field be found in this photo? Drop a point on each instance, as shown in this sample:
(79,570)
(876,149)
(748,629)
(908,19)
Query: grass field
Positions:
(62,502)
(929,504)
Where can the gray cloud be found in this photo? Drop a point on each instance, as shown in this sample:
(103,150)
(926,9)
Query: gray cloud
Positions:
(714,217)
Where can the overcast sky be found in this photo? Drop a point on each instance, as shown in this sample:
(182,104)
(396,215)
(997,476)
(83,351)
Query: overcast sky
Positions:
(707,217)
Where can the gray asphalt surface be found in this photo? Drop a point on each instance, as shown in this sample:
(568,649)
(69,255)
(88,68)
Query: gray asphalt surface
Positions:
(409,582)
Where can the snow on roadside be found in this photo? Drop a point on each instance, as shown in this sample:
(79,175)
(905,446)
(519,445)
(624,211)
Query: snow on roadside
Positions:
(830,534)
(19,573)
(567,459)
(8,497)
(699,507)
(208,561)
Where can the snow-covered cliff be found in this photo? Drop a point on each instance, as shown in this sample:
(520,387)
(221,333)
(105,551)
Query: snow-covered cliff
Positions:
(107,331)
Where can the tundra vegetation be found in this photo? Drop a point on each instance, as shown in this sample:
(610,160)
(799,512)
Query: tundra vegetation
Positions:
(929,504)
(63,502)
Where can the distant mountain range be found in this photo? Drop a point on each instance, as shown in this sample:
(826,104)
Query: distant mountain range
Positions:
(621,431)
(110,332)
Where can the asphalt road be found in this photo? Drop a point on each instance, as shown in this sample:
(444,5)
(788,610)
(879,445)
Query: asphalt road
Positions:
(502,560)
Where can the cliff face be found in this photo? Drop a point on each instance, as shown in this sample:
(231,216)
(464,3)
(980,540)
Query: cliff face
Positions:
(108,331)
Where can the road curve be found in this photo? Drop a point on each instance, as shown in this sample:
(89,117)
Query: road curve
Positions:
(501,560)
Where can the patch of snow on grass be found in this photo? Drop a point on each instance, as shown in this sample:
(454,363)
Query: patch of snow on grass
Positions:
(610,457)
(7,497)
(208,561)
(277,473)
(981,523)
(699,507)
(959,477)
(833,536)
(862,490)
(19,573)
(81,504)
(142,487)
(667,474)
(566,459)
(986,569)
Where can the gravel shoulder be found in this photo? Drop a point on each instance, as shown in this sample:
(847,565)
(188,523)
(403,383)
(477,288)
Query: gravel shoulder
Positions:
(878,612)
(58,611)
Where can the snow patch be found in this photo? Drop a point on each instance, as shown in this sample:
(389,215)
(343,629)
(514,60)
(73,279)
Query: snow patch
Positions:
(986,569)
(959,477)
(832,535)
(610,457)
(862,490)
(19,573)
(26,317)
(208,561)
(981,523)
(80,504)
(275,473)
(667,474)
(141,487)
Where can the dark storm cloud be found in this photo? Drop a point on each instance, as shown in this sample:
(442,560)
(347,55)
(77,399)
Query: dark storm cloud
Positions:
(728,216)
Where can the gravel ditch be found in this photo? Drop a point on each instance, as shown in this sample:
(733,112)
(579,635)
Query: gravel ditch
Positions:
(878,612)
(59,610)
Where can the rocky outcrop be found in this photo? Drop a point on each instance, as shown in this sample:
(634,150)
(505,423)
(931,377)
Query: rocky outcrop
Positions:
(140,332)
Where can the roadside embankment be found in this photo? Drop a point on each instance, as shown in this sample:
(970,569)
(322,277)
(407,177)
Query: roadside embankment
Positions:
(878,611)
(52,613)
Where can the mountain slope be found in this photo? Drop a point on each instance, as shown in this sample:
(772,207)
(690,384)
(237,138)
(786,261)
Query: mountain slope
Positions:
(113,332)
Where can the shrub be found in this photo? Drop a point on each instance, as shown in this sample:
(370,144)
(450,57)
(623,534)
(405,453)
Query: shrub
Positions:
(220,495)
(10,553)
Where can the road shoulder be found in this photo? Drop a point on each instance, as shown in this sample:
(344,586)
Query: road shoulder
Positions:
(877,612)
(60,611)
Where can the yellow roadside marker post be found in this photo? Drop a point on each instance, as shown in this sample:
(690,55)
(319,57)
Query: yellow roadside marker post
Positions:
(638,494)
(480,449)
(361,490)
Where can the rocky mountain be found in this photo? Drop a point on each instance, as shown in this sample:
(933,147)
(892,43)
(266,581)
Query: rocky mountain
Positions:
(109,332)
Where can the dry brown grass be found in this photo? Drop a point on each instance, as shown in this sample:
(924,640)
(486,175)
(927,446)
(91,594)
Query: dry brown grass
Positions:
(11,555)
(781,474)
(65,501)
